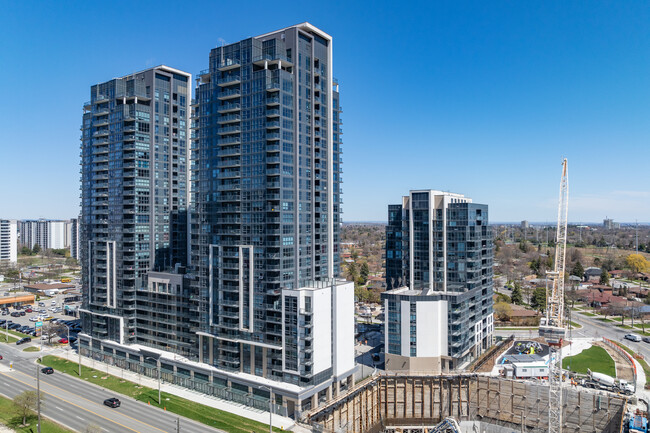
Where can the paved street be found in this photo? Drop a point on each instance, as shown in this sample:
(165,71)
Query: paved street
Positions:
(76,403)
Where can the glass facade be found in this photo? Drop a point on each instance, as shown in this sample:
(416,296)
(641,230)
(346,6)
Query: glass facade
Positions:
(440,246)
(134,190)
(266,195)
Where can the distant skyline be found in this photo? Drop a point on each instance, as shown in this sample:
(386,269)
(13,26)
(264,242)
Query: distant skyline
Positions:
(482,99)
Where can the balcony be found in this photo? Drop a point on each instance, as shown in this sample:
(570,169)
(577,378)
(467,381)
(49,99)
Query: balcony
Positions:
(273,112)
(229,140)
(100,111)
(229,108)
(271,136)
(269,59)
(228,64)
(229,80)
(229,119)
(101,133)
(272,101)
(273,124)
(229,94)
(236,129)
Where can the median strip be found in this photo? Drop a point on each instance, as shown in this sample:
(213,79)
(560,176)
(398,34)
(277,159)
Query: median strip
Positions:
(171,403)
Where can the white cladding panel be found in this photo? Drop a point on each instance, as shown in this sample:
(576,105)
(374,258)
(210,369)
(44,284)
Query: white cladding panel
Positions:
(322,327)
(431,331)
(343,328)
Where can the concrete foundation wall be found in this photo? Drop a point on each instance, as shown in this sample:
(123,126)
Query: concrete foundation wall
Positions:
(409,400)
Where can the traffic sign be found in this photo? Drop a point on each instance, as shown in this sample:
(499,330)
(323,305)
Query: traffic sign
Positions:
(38,325)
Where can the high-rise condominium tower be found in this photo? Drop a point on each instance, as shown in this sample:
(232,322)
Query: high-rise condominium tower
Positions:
(134,192)
(438,307)
(265,231)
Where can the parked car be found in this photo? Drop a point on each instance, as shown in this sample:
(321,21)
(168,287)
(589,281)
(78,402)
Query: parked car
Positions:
(646,339)
(1,358)
(22,313)
(23,340)
(29,310)
(63,341)
(15,314)
(632,337)
(112,402)
(47,370)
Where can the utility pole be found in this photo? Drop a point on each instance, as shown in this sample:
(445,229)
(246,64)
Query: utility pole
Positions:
(38,397)
(178,425)
(636,235)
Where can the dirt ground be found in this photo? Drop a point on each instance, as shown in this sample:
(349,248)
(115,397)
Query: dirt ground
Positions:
(624,369)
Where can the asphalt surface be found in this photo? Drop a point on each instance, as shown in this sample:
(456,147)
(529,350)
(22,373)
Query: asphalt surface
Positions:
(75,403)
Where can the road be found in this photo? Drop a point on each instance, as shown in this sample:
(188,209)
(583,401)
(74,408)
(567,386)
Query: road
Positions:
(76,403)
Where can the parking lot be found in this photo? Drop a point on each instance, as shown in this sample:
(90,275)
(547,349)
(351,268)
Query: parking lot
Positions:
(52,310)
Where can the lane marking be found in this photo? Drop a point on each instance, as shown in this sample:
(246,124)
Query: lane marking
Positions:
(78,417)
(58,408)
(94,402)
(75,405)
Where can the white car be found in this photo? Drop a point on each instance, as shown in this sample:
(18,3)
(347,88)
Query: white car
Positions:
(633,337)
(33,319)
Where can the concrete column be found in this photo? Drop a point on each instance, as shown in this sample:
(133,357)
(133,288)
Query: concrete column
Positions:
(329,392)
(337,388)
(314,400)
(201,348)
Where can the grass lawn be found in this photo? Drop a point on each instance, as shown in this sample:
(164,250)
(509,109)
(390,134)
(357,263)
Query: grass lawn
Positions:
(3,339)
(575,325)
(603,319)
(31,349)
(10,419)
(190,409)
(595,358)
(587,313)
(644,364)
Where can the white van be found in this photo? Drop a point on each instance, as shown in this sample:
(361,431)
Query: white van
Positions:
(633,337)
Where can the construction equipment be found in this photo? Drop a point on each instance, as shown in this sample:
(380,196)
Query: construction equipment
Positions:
(553,327)
(447,425)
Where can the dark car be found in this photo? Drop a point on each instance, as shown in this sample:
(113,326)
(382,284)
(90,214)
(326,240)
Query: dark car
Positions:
(47,370)
(23,340)
(112,402)
(21,313)
(15,326)
(646,339)
(15,314)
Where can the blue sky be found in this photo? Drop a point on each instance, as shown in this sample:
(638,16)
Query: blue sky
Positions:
(480,98)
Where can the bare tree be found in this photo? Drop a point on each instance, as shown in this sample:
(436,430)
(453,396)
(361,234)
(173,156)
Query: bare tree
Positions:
(25,403)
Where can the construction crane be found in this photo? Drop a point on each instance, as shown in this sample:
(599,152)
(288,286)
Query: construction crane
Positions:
(553,328)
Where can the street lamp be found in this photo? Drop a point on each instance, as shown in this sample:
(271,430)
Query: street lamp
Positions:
(158,365)
(38,396)
(270,405)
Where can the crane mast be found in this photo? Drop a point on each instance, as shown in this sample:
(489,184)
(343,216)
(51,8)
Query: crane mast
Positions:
(553,329)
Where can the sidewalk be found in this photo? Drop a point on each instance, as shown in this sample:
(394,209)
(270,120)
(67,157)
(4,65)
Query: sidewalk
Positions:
(204,399)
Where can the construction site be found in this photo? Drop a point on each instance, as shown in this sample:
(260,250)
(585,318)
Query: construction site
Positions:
(476,403)
(517,386)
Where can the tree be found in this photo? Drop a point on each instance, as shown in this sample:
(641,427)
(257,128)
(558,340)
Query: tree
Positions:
(25,251)
(516,294)
(36,249)
(604,277)
(25,403)
(578,270)
(539,299)
(364,272)
(353,271)
(52,330)
(502,311)
(637,263)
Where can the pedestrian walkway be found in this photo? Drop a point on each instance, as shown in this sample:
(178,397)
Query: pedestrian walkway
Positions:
(192,395)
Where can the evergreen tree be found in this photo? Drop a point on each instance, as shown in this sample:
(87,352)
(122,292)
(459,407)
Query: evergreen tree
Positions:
(516,294)
(539,299)
(578,270)
(604,277)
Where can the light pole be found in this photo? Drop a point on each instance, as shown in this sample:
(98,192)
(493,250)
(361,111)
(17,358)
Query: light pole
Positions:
(38,396)
(158,365)
(270,405)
